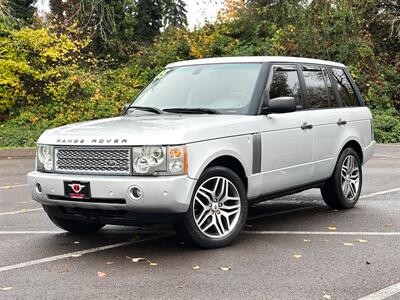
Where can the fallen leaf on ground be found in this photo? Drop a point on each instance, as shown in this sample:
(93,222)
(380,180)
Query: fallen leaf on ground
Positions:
(362,241)
(65,269)
(297,256)
(326,296)
(225,268)
(348,244)
(367,262)
(109,262)
(305,240)
(76,255)
(196,267)
(136,259)
(101,274)
(152,263)
(332,227)
(179,286)
(7,288)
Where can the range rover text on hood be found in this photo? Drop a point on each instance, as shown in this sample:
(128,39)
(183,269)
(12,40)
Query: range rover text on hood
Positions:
(108,141)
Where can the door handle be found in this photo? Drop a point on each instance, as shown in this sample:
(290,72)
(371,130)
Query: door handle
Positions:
(306,126)
(341,122)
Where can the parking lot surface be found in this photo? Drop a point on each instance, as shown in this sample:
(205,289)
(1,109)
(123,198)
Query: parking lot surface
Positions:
(293,247)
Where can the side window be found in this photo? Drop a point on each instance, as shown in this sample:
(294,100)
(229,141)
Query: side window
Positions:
(344,88)
(285,83)
(318,88)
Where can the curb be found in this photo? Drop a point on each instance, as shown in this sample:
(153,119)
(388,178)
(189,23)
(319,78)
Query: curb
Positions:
(22,152)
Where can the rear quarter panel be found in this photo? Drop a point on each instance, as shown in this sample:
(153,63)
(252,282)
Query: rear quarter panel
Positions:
(358,128)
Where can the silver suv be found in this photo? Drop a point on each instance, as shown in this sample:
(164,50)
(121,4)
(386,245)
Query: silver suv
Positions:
(204,140)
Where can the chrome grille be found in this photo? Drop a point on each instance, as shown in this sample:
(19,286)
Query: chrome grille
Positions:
(93,161)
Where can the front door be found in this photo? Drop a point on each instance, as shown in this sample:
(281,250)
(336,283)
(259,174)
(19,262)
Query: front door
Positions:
(286,138)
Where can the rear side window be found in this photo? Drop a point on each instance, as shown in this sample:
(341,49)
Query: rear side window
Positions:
(285,83)
(344,88)
(318,88)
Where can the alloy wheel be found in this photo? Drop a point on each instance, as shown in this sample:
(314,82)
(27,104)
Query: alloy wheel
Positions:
(350,177)
(216,207)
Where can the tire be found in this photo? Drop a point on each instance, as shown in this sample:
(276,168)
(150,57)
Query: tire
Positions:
(216,215)
(343,189)
(71,225)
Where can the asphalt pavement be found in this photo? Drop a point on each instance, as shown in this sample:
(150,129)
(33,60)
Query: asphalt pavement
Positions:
(293,247)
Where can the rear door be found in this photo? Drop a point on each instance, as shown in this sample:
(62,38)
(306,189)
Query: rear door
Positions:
(325,114)
(286,144)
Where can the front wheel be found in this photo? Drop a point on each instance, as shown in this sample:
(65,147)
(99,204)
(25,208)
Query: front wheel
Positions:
(343,189)
(218,209)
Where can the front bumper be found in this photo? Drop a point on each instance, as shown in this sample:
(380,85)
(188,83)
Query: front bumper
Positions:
(166,194)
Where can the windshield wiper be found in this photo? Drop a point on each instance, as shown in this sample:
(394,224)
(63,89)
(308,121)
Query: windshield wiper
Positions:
(192,110)
(147,108)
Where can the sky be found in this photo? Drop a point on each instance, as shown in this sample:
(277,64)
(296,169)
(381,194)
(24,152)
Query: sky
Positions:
(198,10)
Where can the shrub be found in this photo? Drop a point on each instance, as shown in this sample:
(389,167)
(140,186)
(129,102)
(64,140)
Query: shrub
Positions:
(33,64)
(387,125)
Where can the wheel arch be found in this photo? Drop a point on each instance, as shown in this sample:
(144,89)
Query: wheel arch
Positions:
(351,142)
(232,163)
(356,146)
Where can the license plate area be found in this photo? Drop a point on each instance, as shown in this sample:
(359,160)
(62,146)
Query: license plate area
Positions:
(77,190)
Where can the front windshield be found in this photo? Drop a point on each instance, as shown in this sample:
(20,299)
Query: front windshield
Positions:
(226,88)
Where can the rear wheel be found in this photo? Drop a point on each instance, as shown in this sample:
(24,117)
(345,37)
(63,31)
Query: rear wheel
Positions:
(343,189)
(218,209)
(71,225)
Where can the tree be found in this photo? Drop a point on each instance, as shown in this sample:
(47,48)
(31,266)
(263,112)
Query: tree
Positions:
(106,22)
(5,13)
(174,13)
(22,11)
(231,9)
(119,27)
(57,11)
(148,20)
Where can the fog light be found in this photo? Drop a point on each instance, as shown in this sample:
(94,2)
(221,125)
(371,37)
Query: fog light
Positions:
(38,188)
(136,193)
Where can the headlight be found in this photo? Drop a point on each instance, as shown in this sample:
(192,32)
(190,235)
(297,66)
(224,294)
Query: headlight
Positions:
(44,159)
(149,160)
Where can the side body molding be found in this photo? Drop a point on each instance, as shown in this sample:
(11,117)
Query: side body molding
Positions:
(257,153)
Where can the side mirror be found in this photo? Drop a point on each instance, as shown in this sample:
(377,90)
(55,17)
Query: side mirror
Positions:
(281,105)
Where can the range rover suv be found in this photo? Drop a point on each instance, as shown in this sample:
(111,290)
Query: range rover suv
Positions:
(203,141)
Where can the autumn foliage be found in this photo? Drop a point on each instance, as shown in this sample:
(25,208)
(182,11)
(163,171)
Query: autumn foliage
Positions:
(57,73)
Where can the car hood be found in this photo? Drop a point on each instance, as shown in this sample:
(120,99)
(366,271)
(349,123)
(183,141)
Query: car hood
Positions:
(165,129)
